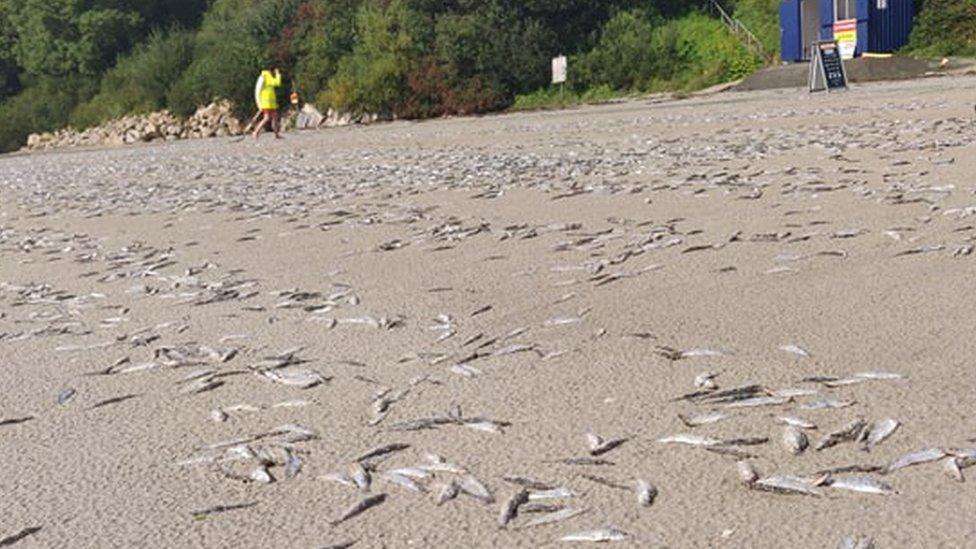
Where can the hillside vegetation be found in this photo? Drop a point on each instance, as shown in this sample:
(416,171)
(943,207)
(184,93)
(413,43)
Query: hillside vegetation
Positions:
(83,62)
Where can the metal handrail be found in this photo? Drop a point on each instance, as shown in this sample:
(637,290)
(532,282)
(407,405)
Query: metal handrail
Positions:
(738,29)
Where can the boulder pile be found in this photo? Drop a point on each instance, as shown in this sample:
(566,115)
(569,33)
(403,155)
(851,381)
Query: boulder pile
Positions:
(213,120)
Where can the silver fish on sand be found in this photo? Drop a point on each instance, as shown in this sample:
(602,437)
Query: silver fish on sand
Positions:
(554,517)
(476,489)
(706,418)
(66,395)
(747,472)
(794,440)
(646,493)
(915,458)
(599,446)
(864,485)
(794,349)
(826,404)
(950,466)
(360,507)
(509,509)
(879,431)
(856,542)
(786,484)
(796,422)
(849,432)
(693,440)
(444,492)
(596,536)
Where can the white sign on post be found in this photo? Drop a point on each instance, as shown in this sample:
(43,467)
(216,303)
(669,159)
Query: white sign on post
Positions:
(559,66)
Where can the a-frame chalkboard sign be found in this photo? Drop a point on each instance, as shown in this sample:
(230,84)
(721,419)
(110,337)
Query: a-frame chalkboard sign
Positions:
(826,67)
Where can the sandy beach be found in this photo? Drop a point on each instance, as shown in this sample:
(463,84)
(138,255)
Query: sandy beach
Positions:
(202,342)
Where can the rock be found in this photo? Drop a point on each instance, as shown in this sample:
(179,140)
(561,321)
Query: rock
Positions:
(308,118)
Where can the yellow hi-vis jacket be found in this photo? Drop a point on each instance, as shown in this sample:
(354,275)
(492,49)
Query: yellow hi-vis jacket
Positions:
(264,91)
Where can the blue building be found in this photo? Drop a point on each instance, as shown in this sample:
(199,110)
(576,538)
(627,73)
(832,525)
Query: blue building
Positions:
(882,25)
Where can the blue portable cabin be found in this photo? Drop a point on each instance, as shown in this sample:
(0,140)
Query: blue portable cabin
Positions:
(882,25)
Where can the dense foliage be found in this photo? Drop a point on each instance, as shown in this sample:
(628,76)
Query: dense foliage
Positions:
(82,62)
(945,27)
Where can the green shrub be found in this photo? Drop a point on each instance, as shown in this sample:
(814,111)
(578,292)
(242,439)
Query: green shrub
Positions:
(373,77)
(624,58)
(44,105)
(944,27)
(761,17)
(231,48)
(141,81)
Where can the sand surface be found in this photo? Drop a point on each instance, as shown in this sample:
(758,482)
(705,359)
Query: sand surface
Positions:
(490,291)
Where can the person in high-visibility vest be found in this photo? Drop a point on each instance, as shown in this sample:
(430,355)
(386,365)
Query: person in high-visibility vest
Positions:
(266,96)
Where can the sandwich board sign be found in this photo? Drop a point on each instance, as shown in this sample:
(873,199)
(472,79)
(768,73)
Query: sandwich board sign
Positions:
(559,66)
(826,67)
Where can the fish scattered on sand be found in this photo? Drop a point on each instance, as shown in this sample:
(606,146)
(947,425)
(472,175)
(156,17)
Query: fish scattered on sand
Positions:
(360,507)
(596,536)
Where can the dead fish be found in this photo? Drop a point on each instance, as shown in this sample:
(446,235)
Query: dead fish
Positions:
(706,380)
(360,476)
(303,379)
(553,517)
(220,509)
(826,404)
(915,458)
(747,472)
(795,349)
(446,491)
(341,478)
(596,536)
(851,469)
(382,450)
(876,375)
(796,422)
(114,400)
(793,392)
(951,468)
(510,508)
(201,385)
(786,484)
(592,461)
(261,474)
(555,493)
(646,492)
(598,446)
(342,545)
(529,483)
(698,420)
(749,441)
(699,352)
(360,507)
(66,395)
(794,440)
(848,433)
(606,482)
(693,440)
(292,466)
(856,542)
(15,421)
(880,431)
(864,485)
(14,538)
(759,401)
(403,481)
(476,489)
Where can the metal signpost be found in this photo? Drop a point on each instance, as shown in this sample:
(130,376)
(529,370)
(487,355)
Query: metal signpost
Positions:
(559,70)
